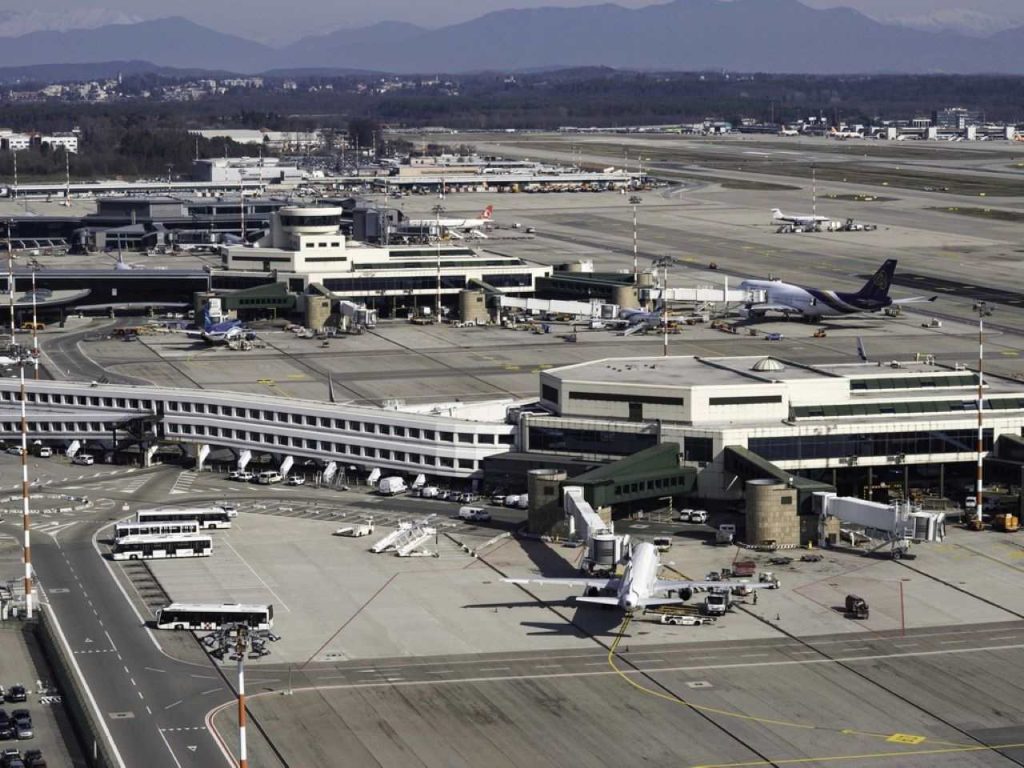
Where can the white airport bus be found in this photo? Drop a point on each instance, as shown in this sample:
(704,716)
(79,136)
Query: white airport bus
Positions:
(208,616)
(207,517)
(155,546)
(155,528)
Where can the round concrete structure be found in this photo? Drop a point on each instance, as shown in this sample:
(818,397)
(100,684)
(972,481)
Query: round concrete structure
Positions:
(771,513)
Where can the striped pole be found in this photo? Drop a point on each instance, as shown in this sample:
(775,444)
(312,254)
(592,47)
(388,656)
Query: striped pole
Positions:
(240,649)
(26,518)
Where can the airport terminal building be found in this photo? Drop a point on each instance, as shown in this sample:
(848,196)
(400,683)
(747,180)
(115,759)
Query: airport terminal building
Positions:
(828,422)
(846,426)
(305,247)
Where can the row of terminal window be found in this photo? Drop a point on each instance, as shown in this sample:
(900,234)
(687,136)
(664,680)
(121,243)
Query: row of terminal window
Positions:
(55,398)
(660,483)
(324,422)
(287,441)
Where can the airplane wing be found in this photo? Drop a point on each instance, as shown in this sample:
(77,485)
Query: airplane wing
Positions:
(598,600)
(662,585)
(581,582)
(914,299)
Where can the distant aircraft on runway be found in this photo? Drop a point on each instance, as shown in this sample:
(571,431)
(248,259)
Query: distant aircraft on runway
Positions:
(814,303)
(639,584)
(457,225)
(797,219)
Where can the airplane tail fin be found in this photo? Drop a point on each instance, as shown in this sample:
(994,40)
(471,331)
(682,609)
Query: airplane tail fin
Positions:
(776,213)
(877,288)
(487,213)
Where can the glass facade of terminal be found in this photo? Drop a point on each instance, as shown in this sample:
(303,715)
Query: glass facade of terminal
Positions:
(868,444)
(589,442)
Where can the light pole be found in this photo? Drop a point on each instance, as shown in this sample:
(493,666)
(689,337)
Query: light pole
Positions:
(983,310)
(437,211)
(664,262)
(235,640)
(636,251)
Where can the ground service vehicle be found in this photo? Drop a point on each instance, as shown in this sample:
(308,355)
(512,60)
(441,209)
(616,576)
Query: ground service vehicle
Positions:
(430,492)
(663,543)
(856,607)
(693,516)
(725,534)
(269,477)
(159,547)
(716,603)
(355,530)
(744,568)
(207,616)
(686,621)
(474,514)
(156,528)
(767,577)
(208,517)
(391,486)
(1006,521)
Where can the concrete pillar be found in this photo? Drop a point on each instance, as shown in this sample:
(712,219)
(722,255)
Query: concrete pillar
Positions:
(772,513)
(148,454)
(244,457)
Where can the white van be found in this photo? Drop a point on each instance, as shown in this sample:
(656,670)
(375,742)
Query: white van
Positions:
(392,486)
(86,459)
(474,514)
(269,477)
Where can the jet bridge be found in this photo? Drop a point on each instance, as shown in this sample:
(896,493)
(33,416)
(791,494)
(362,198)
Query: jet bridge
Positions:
(894,525)
(604,549)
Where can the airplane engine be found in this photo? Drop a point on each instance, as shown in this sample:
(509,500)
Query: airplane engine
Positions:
(685,594)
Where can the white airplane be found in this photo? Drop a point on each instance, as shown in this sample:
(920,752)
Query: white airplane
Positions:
(466,225)
(797,219)
(836,134)
(814,303)
(789,132)
(639,585)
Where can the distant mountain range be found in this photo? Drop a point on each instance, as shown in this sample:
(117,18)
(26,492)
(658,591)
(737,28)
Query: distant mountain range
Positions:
(742,35)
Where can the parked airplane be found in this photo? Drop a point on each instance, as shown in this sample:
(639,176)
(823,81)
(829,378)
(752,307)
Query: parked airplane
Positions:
(639,584)
(219,333)
(797,219)
(836,134)
(466,225)
(813,303)
(789,132)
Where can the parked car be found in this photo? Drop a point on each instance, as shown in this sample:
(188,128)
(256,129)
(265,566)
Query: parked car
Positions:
(269,477)
(23,729)
(17,693)
(45,452)
(498,500)
(693,516)
(85,459)
(296,480)
(512,500)
(14,450)
(34,759)
(245,477)
(430,492)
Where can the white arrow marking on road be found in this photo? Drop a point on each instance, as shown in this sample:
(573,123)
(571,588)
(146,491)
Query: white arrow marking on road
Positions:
(88,639)
(192,748)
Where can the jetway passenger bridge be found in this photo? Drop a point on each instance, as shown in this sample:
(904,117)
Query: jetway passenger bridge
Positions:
(393,441)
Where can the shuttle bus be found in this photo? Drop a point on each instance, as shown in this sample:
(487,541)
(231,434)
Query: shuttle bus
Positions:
(155,528)
(155,546)
(208,517)
(209,616)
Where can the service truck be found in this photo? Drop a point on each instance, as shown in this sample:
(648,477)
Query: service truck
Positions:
(391,486)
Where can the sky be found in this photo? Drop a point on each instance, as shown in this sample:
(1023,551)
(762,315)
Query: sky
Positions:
(272,22)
